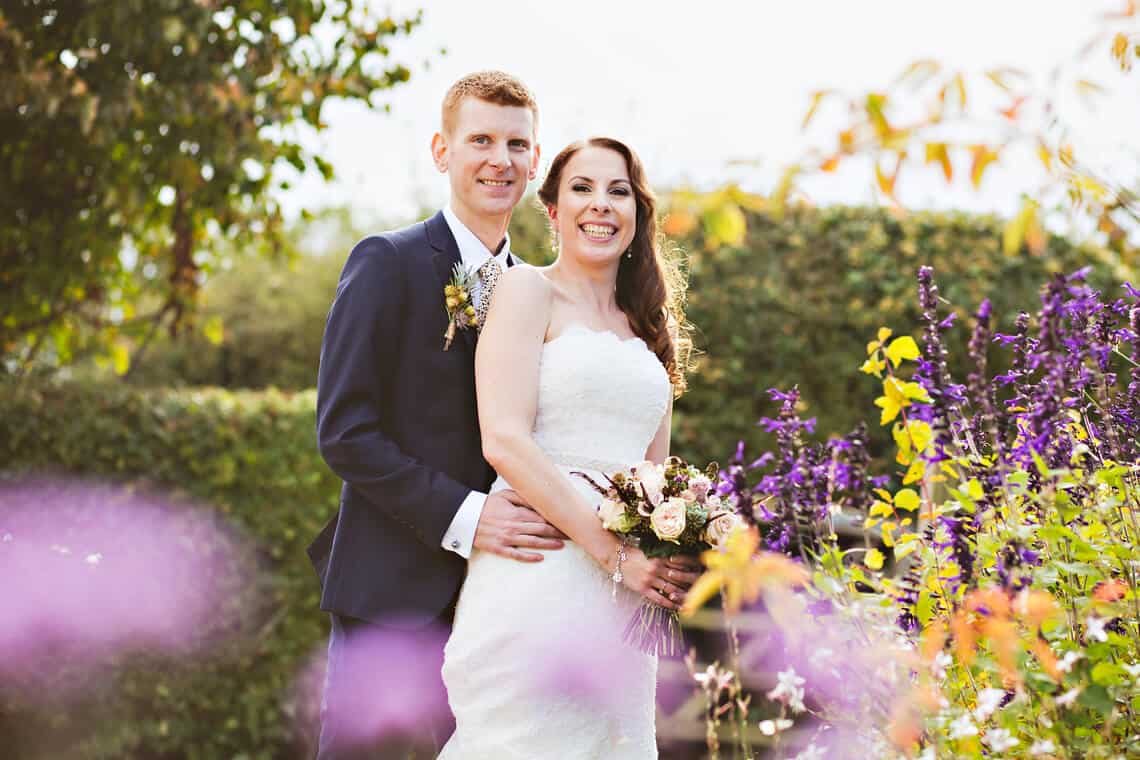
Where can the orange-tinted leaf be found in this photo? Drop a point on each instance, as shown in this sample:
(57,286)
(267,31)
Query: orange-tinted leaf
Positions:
(983,156)
(830,164)
(1011,112)
(886,184)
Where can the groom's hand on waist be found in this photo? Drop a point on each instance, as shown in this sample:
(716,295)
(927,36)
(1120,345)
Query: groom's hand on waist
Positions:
(507,527)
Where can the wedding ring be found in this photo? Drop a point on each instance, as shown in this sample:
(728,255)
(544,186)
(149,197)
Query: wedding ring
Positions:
(670,575)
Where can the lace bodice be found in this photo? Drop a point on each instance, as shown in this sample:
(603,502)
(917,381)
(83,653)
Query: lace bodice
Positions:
(601,399)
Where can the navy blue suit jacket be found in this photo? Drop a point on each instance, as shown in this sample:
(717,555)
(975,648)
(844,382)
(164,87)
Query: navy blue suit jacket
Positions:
(397,422)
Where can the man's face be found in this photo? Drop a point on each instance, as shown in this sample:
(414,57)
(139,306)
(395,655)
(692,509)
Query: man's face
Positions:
(489,155)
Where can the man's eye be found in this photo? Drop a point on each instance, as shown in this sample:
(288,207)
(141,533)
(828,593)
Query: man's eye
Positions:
(519,144)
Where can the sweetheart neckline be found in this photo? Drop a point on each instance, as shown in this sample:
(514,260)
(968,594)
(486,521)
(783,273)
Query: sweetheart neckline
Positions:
(571,326)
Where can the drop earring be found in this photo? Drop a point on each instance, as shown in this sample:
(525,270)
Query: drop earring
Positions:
(629,253)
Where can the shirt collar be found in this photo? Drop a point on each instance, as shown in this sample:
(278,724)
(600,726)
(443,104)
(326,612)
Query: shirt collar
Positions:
(471,249)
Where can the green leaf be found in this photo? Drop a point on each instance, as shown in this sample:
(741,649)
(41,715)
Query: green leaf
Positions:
(1097,698)
(1108,674)
(924,609)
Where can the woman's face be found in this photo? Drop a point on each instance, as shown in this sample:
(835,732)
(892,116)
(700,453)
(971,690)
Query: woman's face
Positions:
(596,214)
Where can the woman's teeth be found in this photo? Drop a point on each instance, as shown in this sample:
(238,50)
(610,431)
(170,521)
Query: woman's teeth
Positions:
(598,232)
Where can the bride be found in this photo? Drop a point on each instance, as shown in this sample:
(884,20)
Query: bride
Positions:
(576,369)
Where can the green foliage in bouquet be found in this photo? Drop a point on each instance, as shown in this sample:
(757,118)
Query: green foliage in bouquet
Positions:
(251,457)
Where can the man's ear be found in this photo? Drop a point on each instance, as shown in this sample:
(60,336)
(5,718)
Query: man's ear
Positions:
(439,152)
(534,162)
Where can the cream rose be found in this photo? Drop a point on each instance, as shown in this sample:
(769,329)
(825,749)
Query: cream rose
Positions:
(650,476)
(721,526)
(668,520)
(614,516)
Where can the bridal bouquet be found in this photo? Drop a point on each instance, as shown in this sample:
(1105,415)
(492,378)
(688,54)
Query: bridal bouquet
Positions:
(665,510)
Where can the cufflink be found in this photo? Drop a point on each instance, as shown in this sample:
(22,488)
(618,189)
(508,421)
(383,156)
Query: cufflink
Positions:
(454,543)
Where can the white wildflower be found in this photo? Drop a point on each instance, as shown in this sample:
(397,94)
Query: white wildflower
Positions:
(773,727)
(1067,662)
(962,727)
(94,558)
(999,740)
(942,660)
(988,701)
(788,690)
(1069,697)
(1096,628)
(1042,747)
(1133,669)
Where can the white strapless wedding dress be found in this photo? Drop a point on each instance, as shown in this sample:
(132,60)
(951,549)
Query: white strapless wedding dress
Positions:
(536,666)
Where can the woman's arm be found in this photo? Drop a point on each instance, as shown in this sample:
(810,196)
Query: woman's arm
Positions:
(506,382)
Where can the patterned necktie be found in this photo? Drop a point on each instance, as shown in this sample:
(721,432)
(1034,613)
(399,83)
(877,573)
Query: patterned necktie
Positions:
(489,275)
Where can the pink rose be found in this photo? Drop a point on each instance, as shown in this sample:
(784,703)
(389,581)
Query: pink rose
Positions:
(668,520)
(652,477)
(721,526)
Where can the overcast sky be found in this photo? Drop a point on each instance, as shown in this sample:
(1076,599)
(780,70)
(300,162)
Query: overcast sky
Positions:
(696,86)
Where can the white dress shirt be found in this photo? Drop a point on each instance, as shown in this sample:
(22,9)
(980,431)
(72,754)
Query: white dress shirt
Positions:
(460,535)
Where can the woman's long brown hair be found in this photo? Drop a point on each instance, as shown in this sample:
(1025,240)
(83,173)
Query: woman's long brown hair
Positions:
(650,286)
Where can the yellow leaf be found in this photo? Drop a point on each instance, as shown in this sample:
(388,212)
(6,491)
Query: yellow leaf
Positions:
(915,391)
(873,367)
(902,440)
(920,434)
(214,331)
(1120,51)
(902,347)
(939,153)
(725,224)
(816,98)
(915,472)
(706,587)
(873,346)
(890,409)
(783,190)
(1045,155)
(881,509)
(888,532)
(886,184)
(983,157)
(830,164)
(873,559)
(120,358)
(1015,230)
(903,548)
(884,333)
(907,499)
(960,87)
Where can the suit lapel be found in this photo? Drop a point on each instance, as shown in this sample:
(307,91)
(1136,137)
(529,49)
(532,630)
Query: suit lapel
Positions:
(445,256)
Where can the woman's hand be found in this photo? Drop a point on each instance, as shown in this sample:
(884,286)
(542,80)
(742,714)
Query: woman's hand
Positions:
(661,581)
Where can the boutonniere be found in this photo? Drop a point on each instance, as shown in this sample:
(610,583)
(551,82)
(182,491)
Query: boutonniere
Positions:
(457,301)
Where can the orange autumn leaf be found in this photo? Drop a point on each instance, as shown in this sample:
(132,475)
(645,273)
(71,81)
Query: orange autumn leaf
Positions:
(1011,112)
(933,639)
(830,164)
(1110,591)
(964,637)
(1047,658)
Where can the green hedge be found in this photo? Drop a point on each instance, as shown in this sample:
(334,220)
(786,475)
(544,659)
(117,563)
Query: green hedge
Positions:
(251,456)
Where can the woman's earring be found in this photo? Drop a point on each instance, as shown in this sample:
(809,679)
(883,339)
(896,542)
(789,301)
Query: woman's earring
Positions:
(629,253)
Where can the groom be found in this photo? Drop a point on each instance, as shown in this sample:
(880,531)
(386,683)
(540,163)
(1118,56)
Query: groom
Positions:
(396,420)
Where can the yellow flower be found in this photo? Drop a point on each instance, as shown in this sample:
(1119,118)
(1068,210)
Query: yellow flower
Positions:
(741,573)
(451,291)
(452,302)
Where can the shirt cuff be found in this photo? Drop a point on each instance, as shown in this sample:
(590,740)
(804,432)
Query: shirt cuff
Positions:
(460,535)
